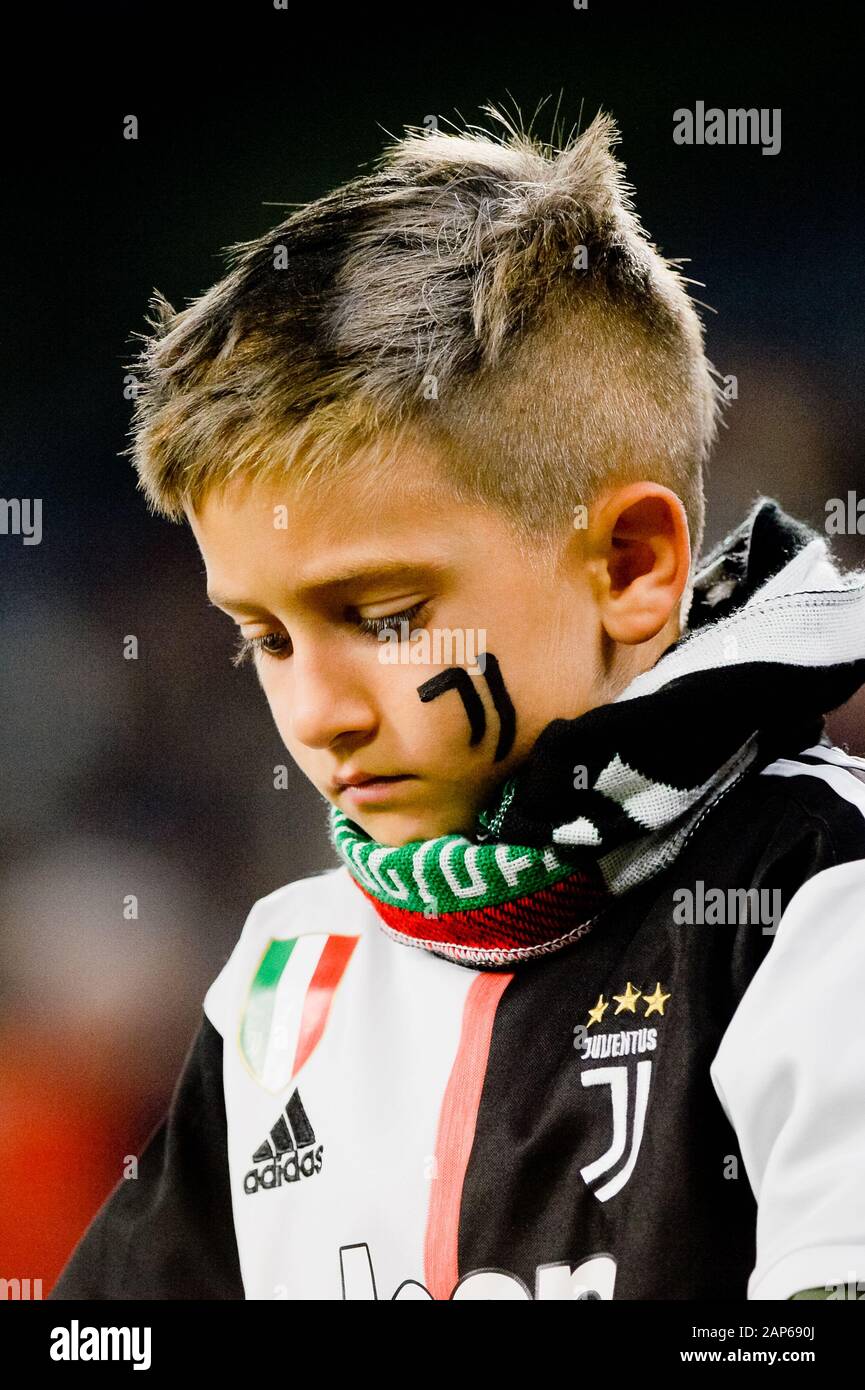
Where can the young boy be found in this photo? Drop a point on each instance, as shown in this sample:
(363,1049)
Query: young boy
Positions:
(577,1014)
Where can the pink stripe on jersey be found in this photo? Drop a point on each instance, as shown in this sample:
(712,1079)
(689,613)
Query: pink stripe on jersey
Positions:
(456,1132)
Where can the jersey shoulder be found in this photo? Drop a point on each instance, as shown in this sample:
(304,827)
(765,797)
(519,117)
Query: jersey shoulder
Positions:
(825,786)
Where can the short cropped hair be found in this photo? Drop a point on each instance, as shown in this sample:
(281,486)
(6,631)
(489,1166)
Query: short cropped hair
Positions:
(491,295)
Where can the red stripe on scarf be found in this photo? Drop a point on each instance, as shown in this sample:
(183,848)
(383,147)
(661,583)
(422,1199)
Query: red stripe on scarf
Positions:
(543,915)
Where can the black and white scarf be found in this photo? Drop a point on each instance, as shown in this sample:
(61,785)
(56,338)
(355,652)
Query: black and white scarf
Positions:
(775,639)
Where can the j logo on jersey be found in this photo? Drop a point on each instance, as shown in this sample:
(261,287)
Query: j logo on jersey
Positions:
(628,1084)
(289,1003)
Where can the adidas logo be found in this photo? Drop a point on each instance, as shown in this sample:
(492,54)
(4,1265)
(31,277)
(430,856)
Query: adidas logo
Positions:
(281,1154)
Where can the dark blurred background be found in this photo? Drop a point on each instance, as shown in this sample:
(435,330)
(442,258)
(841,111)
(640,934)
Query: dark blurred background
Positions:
(155,776)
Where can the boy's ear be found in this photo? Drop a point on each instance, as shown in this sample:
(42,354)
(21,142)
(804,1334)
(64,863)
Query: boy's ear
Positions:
(639,555)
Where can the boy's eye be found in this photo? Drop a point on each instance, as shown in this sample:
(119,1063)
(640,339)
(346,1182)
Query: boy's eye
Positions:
(373,626)
(273,643)
(277,644)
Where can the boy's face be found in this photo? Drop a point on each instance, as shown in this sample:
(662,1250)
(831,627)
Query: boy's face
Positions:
(311,581)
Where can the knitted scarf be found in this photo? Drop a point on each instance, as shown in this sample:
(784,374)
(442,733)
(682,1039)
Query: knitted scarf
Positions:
(775,639)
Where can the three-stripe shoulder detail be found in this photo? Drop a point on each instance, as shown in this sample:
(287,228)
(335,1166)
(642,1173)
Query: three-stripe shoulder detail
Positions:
(843,773)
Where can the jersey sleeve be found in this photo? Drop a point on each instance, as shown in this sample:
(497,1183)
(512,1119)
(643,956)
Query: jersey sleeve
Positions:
(169,1232)
(790,1075)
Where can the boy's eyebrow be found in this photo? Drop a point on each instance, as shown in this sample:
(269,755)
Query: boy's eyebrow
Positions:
(351,574)
(229,601)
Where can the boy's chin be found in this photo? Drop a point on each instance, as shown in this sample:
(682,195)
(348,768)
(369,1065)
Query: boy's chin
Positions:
(404,828)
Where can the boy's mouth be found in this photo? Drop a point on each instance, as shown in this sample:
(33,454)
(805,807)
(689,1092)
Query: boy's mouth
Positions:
(366,787)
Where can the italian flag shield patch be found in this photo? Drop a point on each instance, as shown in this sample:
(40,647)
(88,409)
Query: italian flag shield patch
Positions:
(289,1002)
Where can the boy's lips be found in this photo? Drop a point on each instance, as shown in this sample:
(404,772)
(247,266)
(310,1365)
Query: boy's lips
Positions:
(365,787)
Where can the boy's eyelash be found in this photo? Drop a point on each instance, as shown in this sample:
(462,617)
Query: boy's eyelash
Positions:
(371,627)
(248,646)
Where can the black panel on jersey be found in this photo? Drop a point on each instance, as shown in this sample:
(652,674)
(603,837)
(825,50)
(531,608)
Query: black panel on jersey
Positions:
(679,1228)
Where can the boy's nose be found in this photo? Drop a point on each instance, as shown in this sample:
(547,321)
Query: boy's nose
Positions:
(324,704)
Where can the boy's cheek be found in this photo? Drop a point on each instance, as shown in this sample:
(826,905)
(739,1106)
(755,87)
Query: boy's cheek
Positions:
(447,732)
(445,738)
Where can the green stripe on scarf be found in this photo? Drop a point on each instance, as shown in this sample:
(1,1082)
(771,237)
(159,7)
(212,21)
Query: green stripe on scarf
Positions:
(449,874)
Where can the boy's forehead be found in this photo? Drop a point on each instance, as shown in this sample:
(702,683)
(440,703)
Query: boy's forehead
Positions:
(375,501)
(312,538)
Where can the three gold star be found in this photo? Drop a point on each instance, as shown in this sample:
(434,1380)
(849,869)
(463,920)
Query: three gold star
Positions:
(627,1003)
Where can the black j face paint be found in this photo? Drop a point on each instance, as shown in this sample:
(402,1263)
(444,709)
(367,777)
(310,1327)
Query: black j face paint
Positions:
(504,706)
(456,678)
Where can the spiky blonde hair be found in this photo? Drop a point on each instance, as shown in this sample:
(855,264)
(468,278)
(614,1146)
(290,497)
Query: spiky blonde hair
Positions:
(491,295)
